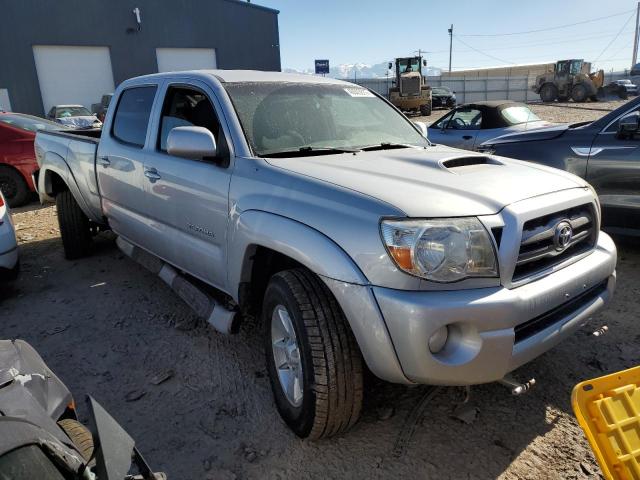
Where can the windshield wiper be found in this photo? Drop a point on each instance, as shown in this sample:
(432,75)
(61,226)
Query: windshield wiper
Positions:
(310,151)
(387,146)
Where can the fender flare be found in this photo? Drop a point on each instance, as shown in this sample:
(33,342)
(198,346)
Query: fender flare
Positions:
(54,163)
(294,239)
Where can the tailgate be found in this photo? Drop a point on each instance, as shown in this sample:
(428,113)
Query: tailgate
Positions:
(608,410)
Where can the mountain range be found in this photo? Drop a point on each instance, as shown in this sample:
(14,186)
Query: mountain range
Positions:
(361,70)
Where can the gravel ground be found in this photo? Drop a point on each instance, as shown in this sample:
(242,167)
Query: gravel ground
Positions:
(199,404)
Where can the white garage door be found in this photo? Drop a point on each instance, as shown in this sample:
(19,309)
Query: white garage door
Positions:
(73,75)
(177,59)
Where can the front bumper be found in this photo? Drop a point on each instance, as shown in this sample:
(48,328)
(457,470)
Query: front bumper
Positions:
(482,344)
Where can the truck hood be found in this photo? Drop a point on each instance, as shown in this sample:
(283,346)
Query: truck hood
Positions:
(437,181)
(546,133)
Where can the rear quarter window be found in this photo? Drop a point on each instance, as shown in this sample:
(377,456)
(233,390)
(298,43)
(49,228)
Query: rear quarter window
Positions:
(131,119)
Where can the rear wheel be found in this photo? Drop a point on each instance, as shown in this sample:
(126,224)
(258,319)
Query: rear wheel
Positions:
(74,226)
(425,110)
(548,92)
(313,360)
(579,93)
(13,187)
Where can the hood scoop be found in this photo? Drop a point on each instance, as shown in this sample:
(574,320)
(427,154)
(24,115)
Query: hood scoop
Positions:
(461,162)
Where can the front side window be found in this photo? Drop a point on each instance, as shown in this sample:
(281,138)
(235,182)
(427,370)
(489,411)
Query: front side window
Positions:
(465,119)
(132,115)
(613,128)
(279,117)
(184,107)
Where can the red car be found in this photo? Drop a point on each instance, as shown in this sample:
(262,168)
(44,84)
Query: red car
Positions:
(18,166)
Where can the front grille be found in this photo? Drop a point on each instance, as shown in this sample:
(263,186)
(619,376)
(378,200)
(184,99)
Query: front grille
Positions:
(535,325)
(410,85)
(538,248)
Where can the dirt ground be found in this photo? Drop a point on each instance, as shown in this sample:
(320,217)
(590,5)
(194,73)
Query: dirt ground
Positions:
(109,328)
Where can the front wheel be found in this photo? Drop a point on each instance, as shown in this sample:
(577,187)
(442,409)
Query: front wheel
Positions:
(579,93)
(425,110)
(314,363)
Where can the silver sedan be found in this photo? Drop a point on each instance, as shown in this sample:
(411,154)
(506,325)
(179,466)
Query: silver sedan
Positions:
(8,246)
(469,125)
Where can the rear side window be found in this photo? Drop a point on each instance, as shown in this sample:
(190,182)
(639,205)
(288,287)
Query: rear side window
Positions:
(132,115)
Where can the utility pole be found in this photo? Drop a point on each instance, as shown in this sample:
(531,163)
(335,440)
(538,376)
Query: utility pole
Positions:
(451,43)
(634,60)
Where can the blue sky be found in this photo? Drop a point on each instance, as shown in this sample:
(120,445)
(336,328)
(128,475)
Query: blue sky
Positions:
(352,31)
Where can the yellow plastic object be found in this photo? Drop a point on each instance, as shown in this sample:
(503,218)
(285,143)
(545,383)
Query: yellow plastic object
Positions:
(608,410)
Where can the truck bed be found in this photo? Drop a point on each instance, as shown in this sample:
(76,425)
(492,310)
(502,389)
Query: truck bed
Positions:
(71,156)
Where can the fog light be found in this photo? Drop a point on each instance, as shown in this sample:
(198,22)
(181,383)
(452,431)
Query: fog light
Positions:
(439,338)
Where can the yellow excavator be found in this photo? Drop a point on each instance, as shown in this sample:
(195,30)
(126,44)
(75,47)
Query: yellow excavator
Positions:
(570,79)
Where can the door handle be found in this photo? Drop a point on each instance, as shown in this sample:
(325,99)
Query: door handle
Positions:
(104,161)
(467,137)
(152,174)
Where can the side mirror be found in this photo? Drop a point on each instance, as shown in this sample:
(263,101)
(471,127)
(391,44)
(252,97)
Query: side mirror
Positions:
(629,125)
(424,63)
(191,142)
(390,65)
(423,128)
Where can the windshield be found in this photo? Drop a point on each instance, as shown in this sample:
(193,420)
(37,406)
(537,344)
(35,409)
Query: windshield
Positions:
(29,123)
(518,114)
(62,112)
(286,117)
(409,65)
(624,82)
(440,90)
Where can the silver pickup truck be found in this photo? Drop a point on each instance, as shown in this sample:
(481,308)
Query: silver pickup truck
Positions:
(317,206)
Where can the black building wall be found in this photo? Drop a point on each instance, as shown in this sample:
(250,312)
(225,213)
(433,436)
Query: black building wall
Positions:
(244,35)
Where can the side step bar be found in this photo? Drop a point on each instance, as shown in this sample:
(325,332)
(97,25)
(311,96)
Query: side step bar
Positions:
(221,318)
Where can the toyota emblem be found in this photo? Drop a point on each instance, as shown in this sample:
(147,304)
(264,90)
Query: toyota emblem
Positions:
(562,236)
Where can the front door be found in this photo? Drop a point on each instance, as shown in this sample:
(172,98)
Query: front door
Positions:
(459,129)
(187,200)
(120,161)
(614,171)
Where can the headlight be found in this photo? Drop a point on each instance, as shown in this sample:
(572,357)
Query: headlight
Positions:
(441,250)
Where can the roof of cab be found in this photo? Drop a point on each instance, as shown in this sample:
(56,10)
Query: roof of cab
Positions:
(234,76)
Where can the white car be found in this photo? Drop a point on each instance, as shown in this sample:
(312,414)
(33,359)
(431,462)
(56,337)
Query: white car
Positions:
(9,264)
(76,116)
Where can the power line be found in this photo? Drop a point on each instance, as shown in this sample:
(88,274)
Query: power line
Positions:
(547,29)
(614,38)
(481,52)
(535,44)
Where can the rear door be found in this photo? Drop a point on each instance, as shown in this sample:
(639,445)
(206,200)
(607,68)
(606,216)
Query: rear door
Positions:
(187,200)
(459,129)
(614,170)
(120,162)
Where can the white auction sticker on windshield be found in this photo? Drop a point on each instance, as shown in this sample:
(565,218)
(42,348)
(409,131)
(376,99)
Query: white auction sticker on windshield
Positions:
(359,92)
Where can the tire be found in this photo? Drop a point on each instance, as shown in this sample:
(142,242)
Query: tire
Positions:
(79,435)
(330,360)
(548,92)
(74,226)
(425,110)
(14,187)
(579,93)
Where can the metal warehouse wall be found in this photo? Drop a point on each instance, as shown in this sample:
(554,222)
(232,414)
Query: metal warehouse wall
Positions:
(244,36)
(474,89)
